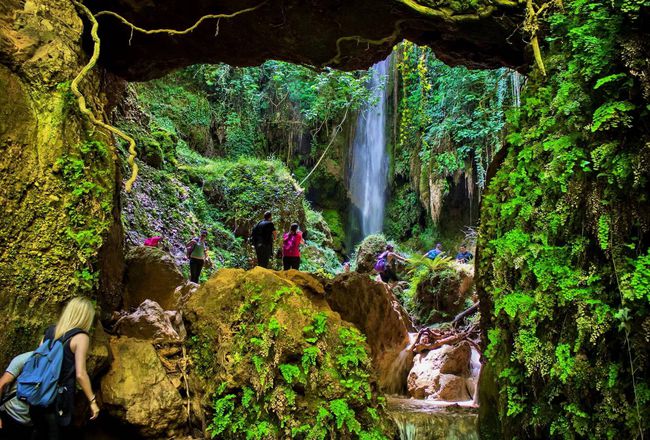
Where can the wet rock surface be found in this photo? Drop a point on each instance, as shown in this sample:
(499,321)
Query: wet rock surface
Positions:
(377,313)
(424,420)
(447,373)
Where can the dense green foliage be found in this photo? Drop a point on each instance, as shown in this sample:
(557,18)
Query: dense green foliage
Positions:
(564,237)
(183,188)
(451,123)
(86,184)
(262,110)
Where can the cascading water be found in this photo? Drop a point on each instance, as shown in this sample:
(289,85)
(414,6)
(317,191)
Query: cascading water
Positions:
(417,420)
(369,163)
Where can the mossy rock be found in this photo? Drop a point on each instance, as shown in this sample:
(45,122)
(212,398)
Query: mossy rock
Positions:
(441,295)
(276,362)
(367,252)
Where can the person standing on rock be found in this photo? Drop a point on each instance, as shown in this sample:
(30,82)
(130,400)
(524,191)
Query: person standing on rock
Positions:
(291,242)
(197,252)
(263,235)
(50,423)
(385,265)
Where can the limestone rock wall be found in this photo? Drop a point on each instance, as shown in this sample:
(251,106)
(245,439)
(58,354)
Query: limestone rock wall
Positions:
(57,174)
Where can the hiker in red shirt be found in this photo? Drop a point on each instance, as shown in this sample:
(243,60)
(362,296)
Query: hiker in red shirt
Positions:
(291,242)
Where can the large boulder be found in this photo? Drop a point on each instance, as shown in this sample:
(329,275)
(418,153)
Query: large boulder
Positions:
(137,391)
(99,355)
(367,252)
(374,309)
(272,355)
(151,273)
(442,294)
(151,322)
(443,374)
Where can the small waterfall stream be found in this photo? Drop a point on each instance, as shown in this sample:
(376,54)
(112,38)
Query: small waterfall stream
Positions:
(419,420)
(369,162)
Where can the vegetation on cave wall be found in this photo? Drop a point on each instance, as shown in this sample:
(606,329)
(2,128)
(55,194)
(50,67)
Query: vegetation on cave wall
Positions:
(564,248)
(451,121)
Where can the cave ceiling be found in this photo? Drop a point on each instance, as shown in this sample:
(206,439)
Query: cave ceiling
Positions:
(344,34)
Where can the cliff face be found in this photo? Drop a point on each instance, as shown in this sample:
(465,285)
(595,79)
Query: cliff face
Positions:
(57,175)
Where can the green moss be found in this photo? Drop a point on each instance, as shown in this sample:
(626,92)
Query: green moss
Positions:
(292,365)
(560,234)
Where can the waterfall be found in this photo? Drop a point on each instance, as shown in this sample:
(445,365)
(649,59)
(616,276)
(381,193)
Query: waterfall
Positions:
(369,162)
(517,80)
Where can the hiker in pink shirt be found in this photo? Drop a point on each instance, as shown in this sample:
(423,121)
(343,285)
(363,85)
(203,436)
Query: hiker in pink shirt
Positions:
(291,242)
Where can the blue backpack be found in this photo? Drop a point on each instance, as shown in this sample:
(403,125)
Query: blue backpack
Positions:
(38,383)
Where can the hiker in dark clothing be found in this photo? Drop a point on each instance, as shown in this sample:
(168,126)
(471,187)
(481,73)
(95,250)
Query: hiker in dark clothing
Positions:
(72,328)
(197,252)
(463,255)
(385,265)
(15,422)
(291,242)
(263,235)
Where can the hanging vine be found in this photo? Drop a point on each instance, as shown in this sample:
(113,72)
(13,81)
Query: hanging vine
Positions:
(81,100)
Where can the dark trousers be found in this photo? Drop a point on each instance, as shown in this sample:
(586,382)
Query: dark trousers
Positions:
(264,253)
(46,425)
(196,264)
(291,263)
(388,275)
(12,430)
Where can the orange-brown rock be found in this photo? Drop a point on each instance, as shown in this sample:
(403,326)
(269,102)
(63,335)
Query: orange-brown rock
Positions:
(137,391)
(151,273)
(370,306)
(446,373)
(151,322)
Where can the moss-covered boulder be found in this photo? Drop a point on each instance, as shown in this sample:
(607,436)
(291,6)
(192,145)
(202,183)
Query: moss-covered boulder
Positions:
(276,362)
(439,295)
(367,252)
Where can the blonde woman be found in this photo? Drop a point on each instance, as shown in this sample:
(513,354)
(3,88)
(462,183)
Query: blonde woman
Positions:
(72,329)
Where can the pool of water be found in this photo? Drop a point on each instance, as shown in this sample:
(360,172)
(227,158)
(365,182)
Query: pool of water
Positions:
(430,420)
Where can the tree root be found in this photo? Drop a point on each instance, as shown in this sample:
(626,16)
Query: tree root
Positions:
(359,39)
(429,339)
(74,86)
(175,31)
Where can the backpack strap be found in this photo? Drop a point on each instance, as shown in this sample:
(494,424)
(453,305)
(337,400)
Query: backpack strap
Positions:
(64,340)
(7,398)
(70,334)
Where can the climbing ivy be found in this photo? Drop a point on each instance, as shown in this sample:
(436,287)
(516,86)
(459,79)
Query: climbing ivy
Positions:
(88,207)
(563,239)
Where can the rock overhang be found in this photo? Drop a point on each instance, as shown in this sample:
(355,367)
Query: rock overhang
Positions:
(346,35)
